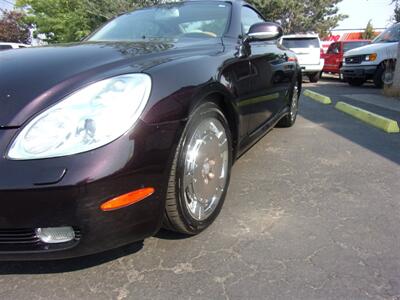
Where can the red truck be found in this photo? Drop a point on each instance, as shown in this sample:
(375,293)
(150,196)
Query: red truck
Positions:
(334,55)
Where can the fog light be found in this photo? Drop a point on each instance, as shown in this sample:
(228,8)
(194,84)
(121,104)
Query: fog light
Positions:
(55,235)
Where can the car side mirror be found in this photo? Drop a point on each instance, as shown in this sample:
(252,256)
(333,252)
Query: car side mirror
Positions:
(266,31)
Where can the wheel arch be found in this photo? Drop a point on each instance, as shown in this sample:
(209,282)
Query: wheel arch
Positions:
(387,61)
(218,95)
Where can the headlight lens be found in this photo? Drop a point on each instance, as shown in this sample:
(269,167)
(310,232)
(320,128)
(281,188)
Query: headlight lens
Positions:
(371,57)
(88,119)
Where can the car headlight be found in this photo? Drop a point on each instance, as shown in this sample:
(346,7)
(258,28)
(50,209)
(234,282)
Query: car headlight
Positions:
(87,119)
(371,57)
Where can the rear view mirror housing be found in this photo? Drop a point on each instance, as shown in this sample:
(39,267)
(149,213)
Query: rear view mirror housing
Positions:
(265,31)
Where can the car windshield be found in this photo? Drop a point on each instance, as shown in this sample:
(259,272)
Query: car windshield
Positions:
(295,43)
(352,45)
(192,20)
(390,35)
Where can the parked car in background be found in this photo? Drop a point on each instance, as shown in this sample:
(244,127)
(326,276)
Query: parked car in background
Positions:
(372,62)
(137,127)
(334,56)
(308,51)
(9,46)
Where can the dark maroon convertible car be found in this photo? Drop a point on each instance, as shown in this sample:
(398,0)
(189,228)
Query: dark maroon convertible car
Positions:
(104,142)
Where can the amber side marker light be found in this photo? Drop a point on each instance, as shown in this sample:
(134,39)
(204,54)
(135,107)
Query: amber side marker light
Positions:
(127,199)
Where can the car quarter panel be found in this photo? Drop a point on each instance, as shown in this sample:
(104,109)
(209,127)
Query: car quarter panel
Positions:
(182,84)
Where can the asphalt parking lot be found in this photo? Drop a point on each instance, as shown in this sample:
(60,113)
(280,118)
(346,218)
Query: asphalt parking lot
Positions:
(312,213)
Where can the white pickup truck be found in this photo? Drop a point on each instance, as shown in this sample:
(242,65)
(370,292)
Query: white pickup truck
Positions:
(375,61)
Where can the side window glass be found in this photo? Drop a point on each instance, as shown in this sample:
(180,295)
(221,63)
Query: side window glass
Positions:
(334,48)
(249,18)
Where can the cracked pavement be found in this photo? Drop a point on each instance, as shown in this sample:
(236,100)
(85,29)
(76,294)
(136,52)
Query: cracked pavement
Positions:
(312,212)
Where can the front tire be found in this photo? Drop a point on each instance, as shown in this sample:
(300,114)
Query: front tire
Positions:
(356,81)
(378,77)
(200,173)
(314,77)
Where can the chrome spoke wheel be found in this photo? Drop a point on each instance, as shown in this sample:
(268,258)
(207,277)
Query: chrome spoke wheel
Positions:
(205,169)
(294,107)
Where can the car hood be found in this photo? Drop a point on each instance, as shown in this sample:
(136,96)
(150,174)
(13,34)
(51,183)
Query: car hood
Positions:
(371,48)
(32,79)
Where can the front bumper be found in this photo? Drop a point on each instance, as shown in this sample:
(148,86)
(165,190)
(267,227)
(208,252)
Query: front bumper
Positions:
(68,191)
(309,69)
(358,72)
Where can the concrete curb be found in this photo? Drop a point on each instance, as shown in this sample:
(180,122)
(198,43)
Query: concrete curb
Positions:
(317,97)
(387,125)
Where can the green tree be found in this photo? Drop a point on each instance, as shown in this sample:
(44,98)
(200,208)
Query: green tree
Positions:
(302,16)
(396,14)
(13,29)
(57,20)
(61,21)
(368,33)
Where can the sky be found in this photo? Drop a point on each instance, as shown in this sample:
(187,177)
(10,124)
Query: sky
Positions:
(6,4)
(359,12)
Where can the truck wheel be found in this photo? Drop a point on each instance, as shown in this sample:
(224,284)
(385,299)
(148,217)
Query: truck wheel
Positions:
(314,77)
(355,81)
(378,77)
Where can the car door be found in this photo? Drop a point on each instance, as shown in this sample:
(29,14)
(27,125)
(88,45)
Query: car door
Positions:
(270,74)
(331,58)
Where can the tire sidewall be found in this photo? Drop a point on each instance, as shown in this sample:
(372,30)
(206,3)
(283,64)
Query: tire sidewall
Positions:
(357,82)
(378,77)
(292,122)
(206,110)
(314,77)
(287,121)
